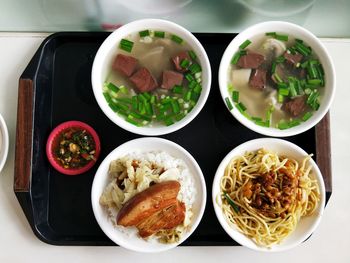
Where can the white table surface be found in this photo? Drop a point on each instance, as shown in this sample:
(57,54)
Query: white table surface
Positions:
(330,242)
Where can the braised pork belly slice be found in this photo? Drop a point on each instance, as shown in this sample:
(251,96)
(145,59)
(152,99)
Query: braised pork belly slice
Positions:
(166,218)
(146,203)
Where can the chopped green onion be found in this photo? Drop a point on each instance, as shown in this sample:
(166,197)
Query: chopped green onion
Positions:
(131,120)
(277,36)
(153,99)
(177,89)
(231,203)
(197,88)
(281,37)
(147,95)
(192,84)
(280,98)
(148,108)
(313,95)
(187,96)
(320,68)
(144,33)
(165,107)
(176,39)
(192,54)
(230,87)
(298,88)
(311,70)
(312,100)
(161,116)
(280,59)
(235,96)
(194,68)
(314,82)
(166,100)
(159,34)
(283,125)
(269,114)
(292,89)
(168,121)
(175,106)
(107,97)
(302,49)
(307,116)
(277,77)
(237,56)
(283,91)
(195,96)
(245,44)
(292,50)
(304,64)
(114,107)
(228,103)
(142,97)
(273,67)
(123,113)
(184,63)
(189,77)
(134,102)
(282,85)
(124,100)
(245,114)
(139,116)
(141,108)
(293,123)
(262,123)
(256,119)
(126,45)
(123,89)
(112,87)
(241,107)
(179,116)
(122,106)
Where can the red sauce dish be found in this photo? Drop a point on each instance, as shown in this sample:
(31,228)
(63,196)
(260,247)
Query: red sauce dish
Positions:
(73,147)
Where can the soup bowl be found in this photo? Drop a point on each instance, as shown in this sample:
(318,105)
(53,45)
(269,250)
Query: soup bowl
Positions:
(102,67)
(293,31)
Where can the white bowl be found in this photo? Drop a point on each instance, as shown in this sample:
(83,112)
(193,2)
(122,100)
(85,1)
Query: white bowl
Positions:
(297,32)
(306,225)
(107,52)
(101,180)
(4,142)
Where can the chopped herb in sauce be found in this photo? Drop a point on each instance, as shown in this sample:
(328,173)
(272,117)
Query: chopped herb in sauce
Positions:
(75,148)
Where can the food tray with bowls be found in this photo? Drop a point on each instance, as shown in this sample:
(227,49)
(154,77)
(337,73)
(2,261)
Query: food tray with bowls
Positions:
(56,87)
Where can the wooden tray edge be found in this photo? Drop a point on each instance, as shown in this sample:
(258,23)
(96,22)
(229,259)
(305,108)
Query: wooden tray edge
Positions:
(323,151)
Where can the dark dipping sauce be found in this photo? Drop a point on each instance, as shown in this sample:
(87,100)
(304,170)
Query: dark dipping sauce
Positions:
(74,148)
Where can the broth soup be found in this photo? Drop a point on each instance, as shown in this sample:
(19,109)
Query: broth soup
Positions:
(155,79)
(275,81)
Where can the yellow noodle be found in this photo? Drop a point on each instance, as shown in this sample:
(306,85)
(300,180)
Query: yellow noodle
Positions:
(272,225)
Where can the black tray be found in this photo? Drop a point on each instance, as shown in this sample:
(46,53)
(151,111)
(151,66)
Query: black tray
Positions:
(55,87)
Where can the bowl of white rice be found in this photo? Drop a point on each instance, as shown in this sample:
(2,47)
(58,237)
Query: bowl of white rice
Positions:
(155,153)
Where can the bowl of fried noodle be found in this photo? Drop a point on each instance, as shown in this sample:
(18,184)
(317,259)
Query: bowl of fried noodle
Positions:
(268,194)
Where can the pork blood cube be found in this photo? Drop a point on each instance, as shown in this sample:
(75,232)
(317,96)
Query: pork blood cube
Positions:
(143,80)
(126,65)
(171,78)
